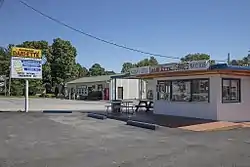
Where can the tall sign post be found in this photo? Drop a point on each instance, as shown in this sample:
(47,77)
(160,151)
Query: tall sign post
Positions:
(26,64)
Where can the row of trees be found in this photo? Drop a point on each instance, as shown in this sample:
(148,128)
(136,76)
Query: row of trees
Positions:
(245,61)
(61,66)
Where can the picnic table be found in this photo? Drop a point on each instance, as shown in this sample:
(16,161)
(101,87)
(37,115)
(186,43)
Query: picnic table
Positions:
(127,105)
(114,105)
(148,104)
(117,105)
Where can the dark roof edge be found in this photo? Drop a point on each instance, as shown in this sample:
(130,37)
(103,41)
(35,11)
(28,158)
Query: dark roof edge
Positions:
(228,67)
(120,75)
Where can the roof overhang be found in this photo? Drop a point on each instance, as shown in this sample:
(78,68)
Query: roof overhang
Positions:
(205,70)
(195,73)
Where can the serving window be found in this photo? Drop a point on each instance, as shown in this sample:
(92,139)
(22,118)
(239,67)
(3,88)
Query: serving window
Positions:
(231,90)
(163,90)
(183,90)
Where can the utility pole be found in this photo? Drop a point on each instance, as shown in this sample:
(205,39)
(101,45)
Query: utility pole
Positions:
(228,58)
(5,86)
(9,81)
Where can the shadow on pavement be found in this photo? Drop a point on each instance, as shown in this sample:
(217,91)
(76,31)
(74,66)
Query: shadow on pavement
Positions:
(149,117)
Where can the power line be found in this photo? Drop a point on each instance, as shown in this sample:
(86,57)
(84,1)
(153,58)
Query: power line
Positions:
(94,37)
(100,39)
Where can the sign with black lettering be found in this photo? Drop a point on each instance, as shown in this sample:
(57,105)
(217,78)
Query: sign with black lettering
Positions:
(139,70)
(26,63)
(192,65)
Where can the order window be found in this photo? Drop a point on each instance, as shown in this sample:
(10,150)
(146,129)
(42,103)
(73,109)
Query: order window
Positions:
(181,90)
(188,90)
(200,90)
(231,90)
(163,90)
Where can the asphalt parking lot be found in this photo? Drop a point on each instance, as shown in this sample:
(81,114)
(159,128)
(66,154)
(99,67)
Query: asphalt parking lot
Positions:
(74,140)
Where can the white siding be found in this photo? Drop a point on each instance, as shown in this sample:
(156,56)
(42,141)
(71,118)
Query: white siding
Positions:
(151,85)
(236,111)
(131,88)
(112,89)
(206,110)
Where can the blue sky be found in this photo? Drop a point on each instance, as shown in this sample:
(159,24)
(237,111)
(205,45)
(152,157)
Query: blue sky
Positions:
(168,27)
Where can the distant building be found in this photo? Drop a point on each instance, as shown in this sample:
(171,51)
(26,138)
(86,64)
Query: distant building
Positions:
(110,88)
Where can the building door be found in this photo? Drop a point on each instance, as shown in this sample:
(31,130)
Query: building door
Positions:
(106,94)
(120,92)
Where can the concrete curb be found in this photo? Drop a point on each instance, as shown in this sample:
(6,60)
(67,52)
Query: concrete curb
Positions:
(142,124)
(57,111)
(97,116)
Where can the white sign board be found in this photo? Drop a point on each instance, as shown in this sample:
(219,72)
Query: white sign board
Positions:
(198,65)
(171,67)
(185,66)
(139,70)
(26,63)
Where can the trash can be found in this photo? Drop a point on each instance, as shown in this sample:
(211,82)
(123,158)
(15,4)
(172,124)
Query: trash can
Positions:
(116,105)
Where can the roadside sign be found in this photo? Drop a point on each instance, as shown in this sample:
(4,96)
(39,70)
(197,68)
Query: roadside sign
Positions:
(26,63)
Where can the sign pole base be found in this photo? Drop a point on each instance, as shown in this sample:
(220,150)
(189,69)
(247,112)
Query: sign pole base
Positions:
(26,95)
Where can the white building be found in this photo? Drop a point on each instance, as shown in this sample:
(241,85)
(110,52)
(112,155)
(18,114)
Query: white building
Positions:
(198,89)
(111,88)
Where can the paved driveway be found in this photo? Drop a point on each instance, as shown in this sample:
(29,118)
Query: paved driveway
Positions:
(40,140)
(14,104)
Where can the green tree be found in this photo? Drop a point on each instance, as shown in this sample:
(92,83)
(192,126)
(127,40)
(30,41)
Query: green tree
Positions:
(47,55)
(145,62)
(126,66)
(153,61)
(195,57)
(63,63)
(96,70)
(4,61)
(17,87)
(81,71)
(245,61)
(85,71)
